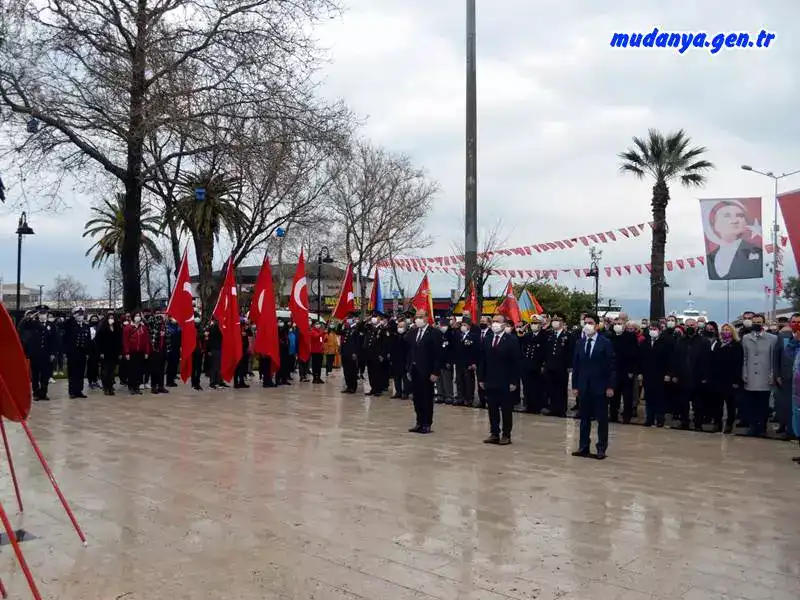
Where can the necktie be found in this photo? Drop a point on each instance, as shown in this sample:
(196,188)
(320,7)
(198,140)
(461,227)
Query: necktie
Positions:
(496,340)
(419,335)
(589,347)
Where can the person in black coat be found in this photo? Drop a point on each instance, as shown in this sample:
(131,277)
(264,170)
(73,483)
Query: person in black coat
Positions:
(109,348)
(559,351)
(213,347)
(352,342)
(593,379)
(398,355)
(40,342)
(93,354)
(173,352)
(466,350)
(533,345)
(690,373)
(198,354)
(482,332)
(76,346)
(499,373)
(243,366)
(725,378)
(626,354)
(424,365)
(444,387)
(655,360)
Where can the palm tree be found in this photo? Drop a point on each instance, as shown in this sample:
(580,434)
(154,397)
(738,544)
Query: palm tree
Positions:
(664,158)
(108,222)
(206,218)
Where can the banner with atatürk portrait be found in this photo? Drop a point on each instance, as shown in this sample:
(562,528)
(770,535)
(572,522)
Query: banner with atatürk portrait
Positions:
(732,231)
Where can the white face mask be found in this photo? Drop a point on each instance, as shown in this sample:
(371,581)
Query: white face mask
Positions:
(79,318)
(401,330)
(110,321)
(443,328)
(464,329)
(618,329)
(374,320)
(42,318)
(419,322)
(654,333)
(670,324)
(556,325)
(747,323)
(196,320)
(534,327)
(137,319)
(589,330)
(497,327)
(701,325)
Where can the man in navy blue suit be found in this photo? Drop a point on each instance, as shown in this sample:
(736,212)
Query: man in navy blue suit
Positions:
(499,372)
(593,379)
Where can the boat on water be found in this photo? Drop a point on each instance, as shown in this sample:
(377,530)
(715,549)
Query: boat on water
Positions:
(610,310)
(690,312)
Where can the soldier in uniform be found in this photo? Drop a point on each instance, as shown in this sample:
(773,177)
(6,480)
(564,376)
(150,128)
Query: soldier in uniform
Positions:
(40,342)
(557,361)
(352,332)
(376,351)
(466,349)
(173,352)
(398,354)
(76,347)
(533,346)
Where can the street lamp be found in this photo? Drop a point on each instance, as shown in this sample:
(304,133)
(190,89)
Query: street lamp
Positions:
(594,271)
(324,256)
(22,229)
(775,228)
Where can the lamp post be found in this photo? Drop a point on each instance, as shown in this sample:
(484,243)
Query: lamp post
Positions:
(471,131)
(23,229)
(775,229)
(324,256)
(594,271)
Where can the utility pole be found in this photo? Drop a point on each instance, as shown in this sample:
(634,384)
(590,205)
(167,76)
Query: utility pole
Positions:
(471,200)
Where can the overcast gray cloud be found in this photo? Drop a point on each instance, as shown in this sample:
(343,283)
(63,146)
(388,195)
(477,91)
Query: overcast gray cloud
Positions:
(556,104)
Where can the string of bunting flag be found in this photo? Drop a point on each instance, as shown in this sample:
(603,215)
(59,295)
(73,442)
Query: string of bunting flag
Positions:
(680,264)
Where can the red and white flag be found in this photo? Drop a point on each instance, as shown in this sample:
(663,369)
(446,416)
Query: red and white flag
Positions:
(347,301)
(227,315)
(298,306)
(181,308)
(265,318)
(471,304)
(509,307)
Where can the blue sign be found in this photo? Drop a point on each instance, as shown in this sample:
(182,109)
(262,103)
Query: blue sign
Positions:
(395,293)
(200,194)
(280,232)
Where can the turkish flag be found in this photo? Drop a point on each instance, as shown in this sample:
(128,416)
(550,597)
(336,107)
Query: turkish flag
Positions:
(181,308)
(471,305)
(423,300)
(790,207)
(264,317)
(509,306)
(298,306)
(227,315)
(346,303)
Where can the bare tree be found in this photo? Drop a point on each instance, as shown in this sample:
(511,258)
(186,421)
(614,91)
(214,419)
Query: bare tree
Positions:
(66,291)
(489,240)
(97,79)
(380,202)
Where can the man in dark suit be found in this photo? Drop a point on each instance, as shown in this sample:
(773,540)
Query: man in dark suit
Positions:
(467,354)
(499,372)
(593,379)
(424,368)
(745,262)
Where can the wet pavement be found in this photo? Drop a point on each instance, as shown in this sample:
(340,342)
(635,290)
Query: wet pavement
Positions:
(302,493)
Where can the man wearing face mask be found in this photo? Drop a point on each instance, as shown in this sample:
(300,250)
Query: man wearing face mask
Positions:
(532,348)
(483,330)
(593,379)
(39,340)
(198,354)
(747,323)
(352,340)
(691,366)
(398,349)
(626,353)
(467,351)
(758,375)
(157,326)
(173,352)
(109,347)
(557,362)
(499,373)
(444,386)
(93,355)
(785,353)
(424,368)
(76,346)
(376,350)
(136,349)
(656,372)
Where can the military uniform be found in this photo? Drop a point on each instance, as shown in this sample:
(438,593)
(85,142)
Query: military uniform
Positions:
(40,342)
(76,347)
(376,352)
(559,350)
(173,352)
(350,349)
(533,346)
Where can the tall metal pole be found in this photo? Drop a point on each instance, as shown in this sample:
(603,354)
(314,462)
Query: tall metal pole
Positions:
(319,284)
(471,203)
(19,275)
(775,253)
(728,302)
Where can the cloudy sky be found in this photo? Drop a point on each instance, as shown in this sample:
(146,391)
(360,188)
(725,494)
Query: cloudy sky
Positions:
(555,105)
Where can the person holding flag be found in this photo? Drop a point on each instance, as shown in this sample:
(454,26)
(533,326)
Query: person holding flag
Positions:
(264,320)
(226,315)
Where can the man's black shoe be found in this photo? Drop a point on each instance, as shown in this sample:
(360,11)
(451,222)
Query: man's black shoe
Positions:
(581,453)
(492,439)
(416,429)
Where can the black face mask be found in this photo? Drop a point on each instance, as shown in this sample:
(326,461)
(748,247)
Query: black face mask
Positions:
(711,333)
(690,331)
(484,326)
(757,327)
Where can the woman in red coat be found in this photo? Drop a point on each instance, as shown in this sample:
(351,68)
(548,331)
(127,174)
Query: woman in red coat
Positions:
(136,350)
(317,347)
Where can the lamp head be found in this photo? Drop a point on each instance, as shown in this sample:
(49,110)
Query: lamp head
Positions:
(23,228)
(747,168)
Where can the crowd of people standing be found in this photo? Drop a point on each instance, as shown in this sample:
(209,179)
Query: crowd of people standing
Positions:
(707,377)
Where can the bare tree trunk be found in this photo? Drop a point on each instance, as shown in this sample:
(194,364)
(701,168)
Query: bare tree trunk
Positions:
(658,249)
